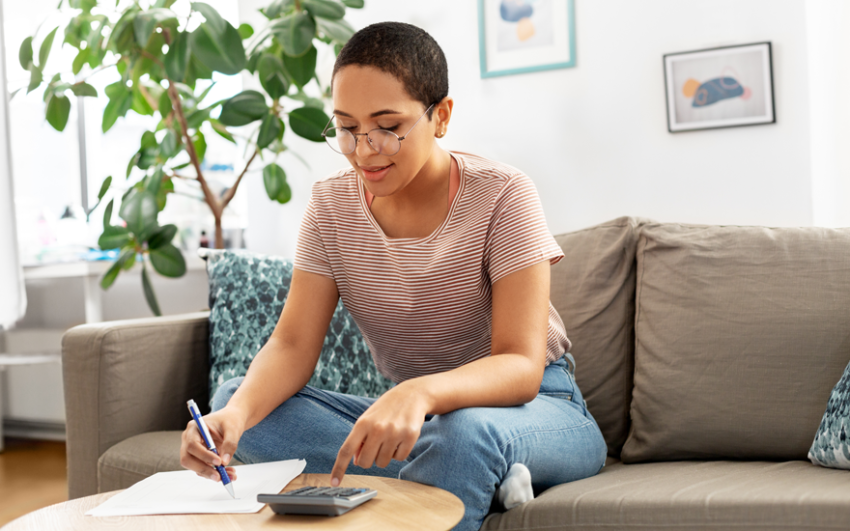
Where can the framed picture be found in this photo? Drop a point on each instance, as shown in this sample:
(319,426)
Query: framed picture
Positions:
(518,36)
(719,87)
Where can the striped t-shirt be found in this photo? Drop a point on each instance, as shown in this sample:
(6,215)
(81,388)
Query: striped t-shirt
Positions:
(424,305)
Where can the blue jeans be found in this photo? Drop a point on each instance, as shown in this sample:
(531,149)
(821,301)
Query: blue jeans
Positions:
(467,451)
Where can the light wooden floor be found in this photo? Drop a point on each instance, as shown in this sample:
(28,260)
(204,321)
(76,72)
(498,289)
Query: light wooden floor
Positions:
(32,475)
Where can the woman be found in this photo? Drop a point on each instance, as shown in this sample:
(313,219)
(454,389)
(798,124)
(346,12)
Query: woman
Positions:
(443,260)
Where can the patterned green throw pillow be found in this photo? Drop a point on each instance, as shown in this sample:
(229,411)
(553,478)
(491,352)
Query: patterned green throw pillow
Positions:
(831,446)
(247,292)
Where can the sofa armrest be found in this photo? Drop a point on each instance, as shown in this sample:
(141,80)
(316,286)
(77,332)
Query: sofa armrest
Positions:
(124,378)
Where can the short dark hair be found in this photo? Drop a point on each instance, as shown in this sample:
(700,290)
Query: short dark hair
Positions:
(407,52)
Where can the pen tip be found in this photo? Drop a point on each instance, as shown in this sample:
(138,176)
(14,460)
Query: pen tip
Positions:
(229,488)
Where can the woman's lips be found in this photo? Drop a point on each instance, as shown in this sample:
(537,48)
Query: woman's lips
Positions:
(375,173)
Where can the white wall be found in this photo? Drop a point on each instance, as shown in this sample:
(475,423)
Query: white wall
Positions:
(829,78)
(594,137)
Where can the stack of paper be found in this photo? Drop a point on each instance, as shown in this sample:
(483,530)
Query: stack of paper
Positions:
(185,492)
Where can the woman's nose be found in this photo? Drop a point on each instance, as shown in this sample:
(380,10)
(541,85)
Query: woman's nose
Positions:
(363,148)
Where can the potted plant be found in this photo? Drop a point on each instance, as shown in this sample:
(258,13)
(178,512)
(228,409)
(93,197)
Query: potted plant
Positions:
(160,56)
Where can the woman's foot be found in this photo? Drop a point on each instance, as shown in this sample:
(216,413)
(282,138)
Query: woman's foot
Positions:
(516,487)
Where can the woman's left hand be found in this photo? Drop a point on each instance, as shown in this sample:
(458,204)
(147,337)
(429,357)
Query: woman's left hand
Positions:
(386,431)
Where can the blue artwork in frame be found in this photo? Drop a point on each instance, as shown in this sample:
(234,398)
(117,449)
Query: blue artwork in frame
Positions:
(519,36)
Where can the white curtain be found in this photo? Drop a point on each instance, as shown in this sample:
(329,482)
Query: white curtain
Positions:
(13,298)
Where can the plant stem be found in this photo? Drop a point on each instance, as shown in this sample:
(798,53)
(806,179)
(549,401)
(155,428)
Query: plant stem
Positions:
(211,200)
(232,190)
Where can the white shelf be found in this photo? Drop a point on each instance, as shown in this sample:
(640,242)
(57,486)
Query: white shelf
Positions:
(94,268)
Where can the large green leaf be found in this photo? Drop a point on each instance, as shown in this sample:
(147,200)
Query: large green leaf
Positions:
(356,4)
(113,237)
(36,78)
(199,141)
(128,254)
(302,68)
(197,117)
(80,60)
(245,31)
(177,58)
(166,188)
(277,7)
(162,237)
(168,146)
(120,100)
(93,39)
(222,52)
(338,30)
(150,296)
(308,122)
(139,211)
(121,38)
(168,261)
(253,60)
(269,130)
(195,71)
(25,53)
(324,8)
(83,89)
(44,51)
(164,104)
(146,158)
(219,128)
(104,187)
(285,194)
(154,181)
(211,15)
(140,104)
(107,214)
(58,109)
(85,5)
(243,108)
(146,21)
(273,178)
(295,33)
(272,76)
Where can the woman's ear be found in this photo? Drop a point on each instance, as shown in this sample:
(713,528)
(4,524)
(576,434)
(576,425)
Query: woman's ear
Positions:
(443,114)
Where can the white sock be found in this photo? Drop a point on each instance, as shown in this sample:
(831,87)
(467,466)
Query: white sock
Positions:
(516,487)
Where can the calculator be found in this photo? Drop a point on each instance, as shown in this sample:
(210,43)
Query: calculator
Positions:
(325,501)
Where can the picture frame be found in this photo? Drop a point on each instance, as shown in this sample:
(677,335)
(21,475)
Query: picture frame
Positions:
(520,36)
(727,86)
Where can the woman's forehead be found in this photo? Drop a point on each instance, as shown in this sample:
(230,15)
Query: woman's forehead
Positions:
(361,91)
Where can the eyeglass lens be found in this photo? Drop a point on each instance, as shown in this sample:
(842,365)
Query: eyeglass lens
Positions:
(343,141)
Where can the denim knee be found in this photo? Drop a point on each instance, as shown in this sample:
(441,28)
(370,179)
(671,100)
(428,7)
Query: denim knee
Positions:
(225,391)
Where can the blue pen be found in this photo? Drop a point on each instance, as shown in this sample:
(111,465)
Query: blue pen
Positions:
(208,440)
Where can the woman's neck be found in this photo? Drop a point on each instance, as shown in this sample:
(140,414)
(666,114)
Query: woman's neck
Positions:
(430,185)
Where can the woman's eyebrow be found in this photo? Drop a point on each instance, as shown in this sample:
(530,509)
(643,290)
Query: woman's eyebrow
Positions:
(373,115)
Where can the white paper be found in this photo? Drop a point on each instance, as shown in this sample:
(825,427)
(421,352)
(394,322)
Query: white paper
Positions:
(185,492)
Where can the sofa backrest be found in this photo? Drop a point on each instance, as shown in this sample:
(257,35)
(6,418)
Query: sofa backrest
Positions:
(593,289)
(741,333)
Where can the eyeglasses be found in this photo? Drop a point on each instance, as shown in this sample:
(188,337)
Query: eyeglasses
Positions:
(384,142)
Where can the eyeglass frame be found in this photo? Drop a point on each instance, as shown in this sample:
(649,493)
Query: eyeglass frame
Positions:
(368,138)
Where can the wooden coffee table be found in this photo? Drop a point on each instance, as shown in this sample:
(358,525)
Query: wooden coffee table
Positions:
(402,505)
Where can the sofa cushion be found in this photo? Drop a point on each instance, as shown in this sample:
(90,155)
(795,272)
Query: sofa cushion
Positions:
(688,495)
(831,446)
(247,293)
(741,333)
(592,288)
(138,457)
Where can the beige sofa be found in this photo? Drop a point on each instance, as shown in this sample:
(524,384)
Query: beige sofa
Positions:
(706,353)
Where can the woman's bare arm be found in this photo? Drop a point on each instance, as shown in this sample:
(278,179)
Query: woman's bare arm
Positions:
(510,376)
(282,367)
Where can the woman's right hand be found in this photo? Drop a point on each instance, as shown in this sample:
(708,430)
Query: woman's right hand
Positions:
(226,427)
